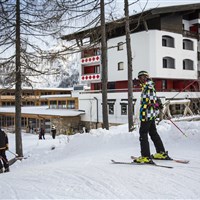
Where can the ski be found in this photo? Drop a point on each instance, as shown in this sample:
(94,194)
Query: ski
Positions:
(134,163)
(175,160)
(13,160)
(180,161)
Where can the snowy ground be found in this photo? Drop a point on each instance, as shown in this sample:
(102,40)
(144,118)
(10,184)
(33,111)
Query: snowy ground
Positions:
(79,167)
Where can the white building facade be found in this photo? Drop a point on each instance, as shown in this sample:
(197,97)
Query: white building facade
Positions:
(167,47)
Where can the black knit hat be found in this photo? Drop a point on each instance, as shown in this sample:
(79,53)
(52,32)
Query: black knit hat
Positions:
(143,73)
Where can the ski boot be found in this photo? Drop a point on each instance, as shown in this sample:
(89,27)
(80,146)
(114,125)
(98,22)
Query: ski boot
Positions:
(7,169)
(1,170)
(143,159)
(161,156)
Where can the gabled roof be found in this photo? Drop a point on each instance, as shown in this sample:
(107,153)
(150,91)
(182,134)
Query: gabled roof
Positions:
(148,14)
(178,8)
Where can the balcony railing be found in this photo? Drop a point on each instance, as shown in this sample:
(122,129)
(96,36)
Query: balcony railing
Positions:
(90,60)
(91,77)
(191,34)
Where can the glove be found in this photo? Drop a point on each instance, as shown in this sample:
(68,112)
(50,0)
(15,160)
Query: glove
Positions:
(159,102)
(154,105)
(6,147)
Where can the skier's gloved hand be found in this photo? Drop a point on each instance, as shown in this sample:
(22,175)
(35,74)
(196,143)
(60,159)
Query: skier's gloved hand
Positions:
(7,147)
(156,106)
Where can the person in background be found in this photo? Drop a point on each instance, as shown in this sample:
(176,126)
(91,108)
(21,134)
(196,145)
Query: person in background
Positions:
(149,109)
(42,133)
(3,147)
(53,131)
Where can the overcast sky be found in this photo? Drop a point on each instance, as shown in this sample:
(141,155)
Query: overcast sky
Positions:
(153,4)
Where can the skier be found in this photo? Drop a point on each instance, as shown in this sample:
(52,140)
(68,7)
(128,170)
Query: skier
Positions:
(53,131)
(149,109)
(3,148)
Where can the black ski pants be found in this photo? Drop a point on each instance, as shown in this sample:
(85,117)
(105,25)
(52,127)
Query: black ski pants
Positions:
(149,127)
(3,159)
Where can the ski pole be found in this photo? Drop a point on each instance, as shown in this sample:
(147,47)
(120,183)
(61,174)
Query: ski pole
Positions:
(173,123)
(180,91)
(177,127)
(173,98)
(13,153)
(3,159)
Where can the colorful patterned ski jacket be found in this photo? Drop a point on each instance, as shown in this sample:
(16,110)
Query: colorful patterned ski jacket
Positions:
(3,140)
(149,108)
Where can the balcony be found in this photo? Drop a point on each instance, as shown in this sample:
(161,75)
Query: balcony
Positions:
(90,77)
(191,34)
(90,60)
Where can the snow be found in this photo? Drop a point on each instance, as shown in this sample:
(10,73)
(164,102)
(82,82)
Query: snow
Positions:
(80,168)
(43,110)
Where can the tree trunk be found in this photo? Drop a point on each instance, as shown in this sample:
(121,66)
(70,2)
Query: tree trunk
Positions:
(18,90)
(130,67)
(104,74)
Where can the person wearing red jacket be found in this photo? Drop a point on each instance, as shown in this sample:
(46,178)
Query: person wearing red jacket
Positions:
(3,147)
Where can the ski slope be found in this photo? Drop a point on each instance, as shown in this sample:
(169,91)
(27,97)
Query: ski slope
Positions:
(80,168)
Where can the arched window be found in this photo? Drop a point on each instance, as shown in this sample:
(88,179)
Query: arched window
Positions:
(188,64)
(168,62)
(188,44)
(167,41)
(120,66)
(120,46)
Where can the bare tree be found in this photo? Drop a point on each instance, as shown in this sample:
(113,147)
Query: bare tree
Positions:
(18,91)
(97,35)
(130,67)
(104,67)
(25,29)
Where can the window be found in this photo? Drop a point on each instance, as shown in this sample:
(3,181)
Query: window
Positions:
(97,52)
(169,63)
(120,46)
(71,104)
(164,84)
(97,69)
(78,87)
(124,106)
(111,109)
(111,103)
(111,85)
(53,104)
(90,52)
(198,56)
(62,104)
(44,103)
(167,41)
(120,66)
(124,109)
(188,44)
(97,86)
(188,64)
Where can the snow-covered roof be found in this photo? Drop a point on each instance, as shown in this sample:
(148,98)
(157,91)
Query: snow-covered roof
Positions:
(43,110)
(55,96)
(42,88)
